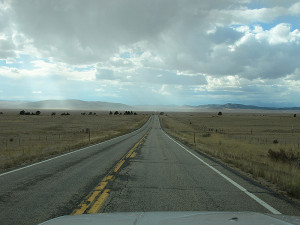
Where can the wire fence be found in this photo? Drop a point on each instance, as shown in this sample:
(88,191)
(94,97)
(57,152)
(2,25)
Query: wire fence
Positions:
(291,139)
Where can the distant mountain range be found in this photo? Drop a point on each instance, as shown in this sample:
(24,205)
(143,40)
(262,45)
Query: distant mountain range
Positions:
(241,106)
(71,104)
(74,104)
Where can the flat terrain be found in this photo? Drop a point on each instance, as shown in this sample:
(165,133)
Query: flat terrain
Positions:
(28,138)
(55,187)
(262,145)
(146,170)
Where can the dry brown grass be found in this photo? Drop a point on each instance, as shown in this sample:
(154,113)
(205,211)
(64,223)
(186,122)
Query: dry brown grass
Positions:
(25,139)
(229,138)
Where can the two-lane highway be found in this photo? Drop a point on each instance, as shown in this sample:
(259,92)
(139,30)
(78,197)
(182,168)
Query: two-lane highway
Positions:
(55,187)
(156,173)
(165,175)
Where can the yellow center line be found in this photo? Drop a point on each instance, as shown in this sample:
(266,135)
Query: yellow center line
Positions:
(101,186)
(130,152)
(80,210)
(95,208)
(90,205)
(110,177)
(93,196)
(119,166)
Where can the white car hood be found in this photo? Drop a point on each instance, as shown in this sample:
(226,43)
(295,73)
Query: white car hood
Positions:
(175,218)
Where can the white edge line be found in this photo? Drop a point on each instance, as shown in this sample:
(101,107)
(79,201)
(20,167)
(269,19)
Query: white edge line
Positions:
(56,157)
(261,202)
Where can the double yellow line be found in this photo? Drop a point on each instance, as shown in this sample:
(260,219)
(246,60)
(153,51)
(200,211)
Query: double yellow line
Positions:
(95,199)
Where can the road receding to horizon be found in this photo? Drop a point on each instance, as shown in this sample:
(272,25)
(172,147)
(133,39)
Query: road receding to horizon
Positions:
(146,170)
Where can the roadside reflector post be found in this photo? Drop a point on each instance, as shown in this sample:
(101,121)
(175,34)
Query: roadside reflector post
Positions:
(89,135)
(194,137)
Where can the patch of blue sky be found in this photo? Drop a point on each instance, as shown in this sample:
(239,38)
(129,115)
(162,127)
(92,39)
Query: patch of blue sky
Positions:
(139,53)
(13,90)
(82,69)
(18,65)
(22,62)
(255,5)
(293,21)
(125,55)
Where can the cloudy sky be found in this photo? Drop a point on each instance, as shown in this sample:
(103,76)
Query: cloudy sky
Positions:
(137,52)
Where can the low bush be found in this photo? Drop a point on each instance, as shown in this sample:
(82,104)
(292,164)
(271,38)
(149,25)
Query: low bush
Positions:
(206,135)
(283,155)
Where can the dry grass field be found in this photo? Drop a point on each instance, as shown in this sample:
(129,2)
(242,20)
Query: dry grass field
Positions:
(29,138)
(264,145)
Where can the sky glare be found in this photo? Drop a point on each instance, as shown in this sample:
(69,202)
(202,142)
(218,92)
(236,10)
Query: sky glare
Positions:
(170,52)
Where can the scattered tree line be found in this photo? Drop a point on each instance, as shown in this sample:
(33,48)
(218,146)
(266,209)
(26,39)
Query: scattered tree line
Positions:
(125,113)
(23,112)
(65,114)
(90,113)
(62,114)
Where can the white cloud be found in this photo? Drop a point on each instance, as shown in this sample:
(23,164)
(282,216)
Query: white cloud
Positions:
(280,34)
(37,92)
(47,69)
(166,36)
(171,46)
(179,87)
(162,91)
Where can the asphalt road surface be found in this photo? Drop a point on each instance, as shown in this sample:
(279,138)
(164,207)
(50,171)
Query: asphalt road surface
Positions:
(143,171)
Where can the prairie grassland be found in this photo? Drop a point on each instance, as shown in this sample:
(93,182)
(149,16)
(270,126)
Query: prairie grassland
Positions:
(28,138)
(266,146)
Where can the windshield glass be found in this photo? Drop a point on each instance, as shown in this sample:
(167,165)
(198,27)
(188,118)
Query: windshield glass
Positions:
(148,106)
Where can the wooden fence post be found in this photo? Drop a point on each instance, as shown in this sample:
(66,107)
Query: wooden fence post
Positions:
(194,138)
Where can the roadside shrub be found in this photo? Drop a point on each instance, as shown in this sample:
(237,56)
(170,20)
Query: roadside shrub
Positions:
(277,156)
(283,155)
(206,135)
